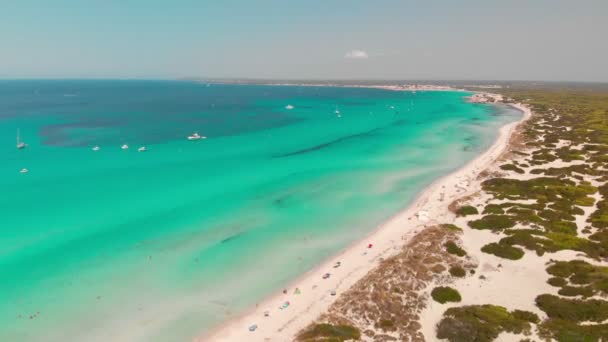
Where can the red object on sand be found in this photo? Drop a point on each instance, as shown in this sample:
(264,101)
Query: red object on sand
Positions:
(370,245)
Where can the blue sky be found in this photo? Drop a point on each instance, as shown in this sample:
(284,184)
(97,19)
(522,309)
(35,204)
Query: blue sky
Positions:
(315,39)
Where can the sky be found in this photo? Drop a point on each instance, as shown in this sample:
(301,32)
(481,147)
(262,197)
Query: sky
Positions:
(551,40)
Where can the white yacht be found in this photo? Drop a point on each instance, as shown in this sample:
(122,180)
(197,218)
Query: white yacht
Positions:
(124,147)
(194,136)
(289,107)
(24,170)
(20,144)
(142,149)
(96,148)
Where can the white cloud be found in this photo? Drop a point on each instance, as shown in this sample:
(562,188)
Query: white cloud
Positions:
(356,54)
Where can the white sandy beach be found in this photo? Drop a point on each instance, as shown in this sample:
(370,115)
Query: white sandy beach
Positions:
(315,293)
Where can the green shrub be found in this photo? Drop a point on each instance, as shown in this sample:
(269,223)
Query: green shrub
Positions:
(566,331)
(466,210)
(493,222)
(493,209)
(526,316)
(444,294)
(452,248)
(573,291)
(580,272)
(511,167)
(457,271)
(557,281)
(575,310)
(329,332)
(451,227)
(479,323)
(503,250)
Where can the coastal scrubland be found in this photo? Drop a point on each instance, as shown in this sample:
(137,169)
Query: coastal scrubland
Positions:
(545,199)
(549,196)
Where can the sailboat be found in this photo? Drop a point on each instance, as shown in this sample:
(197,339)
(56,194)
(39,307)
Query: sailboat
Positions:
(20,144)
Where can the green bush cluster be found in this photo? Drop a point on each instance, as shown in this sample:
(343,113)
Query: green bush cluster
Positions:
(511,167)
(599,218)
(452,248)
(329,332)
(493,209)
(579,278)
(457,271)
(451,227)
(574,310)
(493,222)
(466,210)
(482,323)
(444,294)
(567,331)
(503,250)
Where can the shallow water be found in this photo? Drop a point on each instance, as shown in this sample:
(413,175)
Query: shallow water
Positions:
(164,244)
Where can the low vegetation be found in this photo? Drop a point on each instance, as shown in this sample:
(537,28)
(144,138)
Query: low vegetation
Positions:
(579,278)
(511,167)
(451,227)
(503,250)
(444,294)
(493,222)
(457,271)
(538,214)
(452,248)
(574,310)
(566,331)
(482,323)
(329,332)
(466,210)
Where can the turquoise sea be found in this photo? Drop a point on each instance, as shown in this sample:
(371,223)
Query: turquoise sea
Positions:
(117,245)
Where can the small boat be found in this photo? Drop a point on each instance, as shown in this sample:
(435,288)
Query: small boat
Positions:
(96,148)
(194,136)
(326,275)
(124,147)
(142,149)
(338,264)
(24,170)
(253,327)
(20,144)
(266,313)
(333,292)
(289,107)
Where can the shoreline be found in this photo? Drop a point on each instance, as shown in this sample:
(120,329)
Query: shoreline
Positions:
(315,294)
